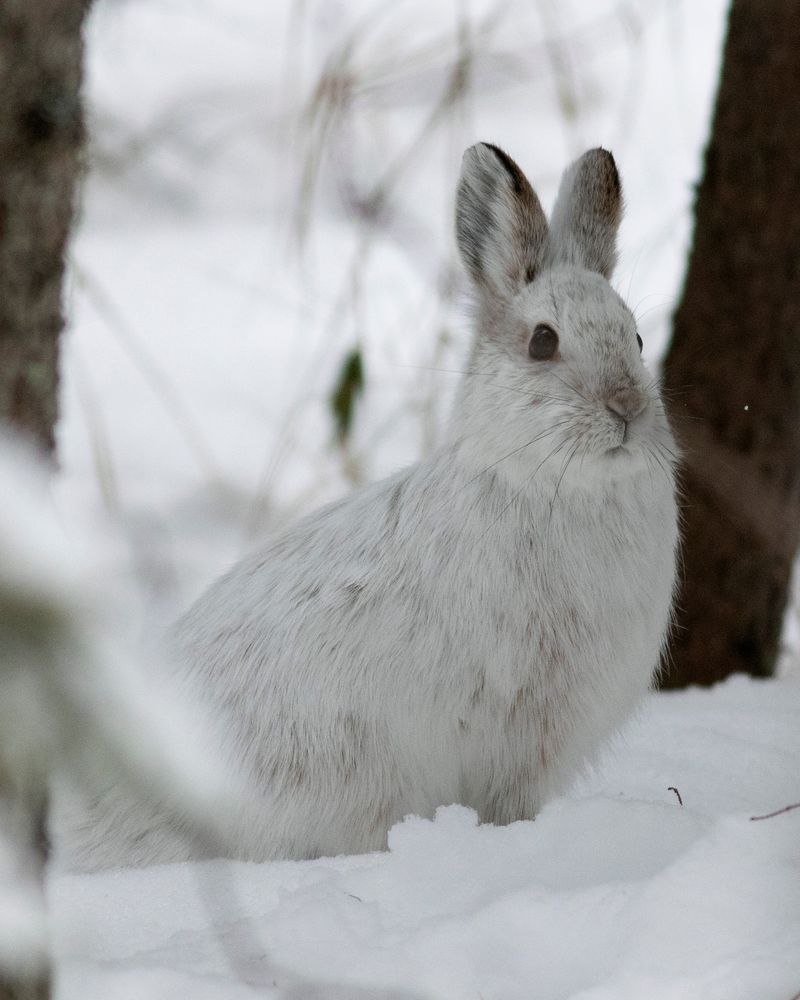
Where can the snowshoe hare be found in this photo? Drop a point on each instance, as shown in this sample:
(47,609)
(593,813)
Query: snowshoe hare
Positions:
(470,629)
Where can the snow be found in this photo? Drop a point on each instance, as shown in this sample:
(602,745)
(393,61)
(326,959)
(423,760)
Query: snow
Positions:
(204,338)
(616,891)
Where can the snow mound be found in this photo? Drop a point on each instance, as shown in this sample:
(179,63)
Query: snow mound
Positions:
(617,892)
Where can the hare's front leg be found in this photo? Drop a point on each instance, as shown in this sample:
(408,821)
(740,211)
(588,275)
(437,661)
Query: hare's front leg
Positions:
(516,797)
(520,776)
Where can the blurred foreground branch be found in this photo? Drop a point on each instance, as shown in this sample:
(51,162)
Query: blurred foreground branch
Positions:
(74,702)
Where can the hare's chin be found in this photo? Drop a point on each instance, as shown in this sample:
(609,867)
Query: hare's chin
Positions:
(619,453)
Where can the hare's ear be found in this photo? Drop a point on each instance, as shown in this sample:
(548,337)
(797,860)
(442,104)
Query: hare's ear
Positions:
(587,213)
(501,229)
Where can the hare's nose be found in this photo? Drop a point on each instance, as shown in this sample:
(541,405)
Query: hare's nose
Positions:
(627,403)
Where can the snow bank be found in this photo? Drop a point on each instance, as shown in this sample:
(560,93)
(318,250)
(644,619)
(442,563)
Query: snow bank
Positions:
(615,893)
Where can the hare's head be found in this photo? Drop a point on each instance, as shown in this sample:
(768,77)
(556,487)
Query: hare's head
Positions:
(556,370)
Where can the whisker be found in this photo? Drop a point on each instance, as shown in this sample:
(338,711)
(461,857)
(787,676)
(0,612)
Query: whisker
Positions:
(564,468)
(515,451)
(571,387)
(468,374)
(524,486)
(539,437)
(659,459)
(650,464)
(666,450)
(529,392)
(656,464)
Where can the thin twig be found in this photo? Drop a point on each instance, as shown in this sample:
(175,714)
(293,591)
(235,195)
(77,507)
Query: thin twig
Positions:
(778,812)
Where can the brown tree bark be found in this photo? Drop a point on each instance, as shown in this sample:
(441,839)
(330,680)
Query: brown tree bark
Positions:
(41,136)
(733,367)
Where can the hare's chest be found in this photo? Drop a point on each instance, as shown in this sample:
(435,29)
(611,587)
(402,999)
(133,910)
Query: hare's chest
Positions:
(571,610)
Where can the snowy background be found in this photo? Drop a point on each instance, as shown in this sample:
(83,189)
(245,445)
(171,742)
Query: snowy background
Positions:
(270,186)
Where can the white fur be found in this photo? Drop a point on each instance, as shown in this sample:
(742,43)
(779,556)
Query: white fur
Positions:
(468,630)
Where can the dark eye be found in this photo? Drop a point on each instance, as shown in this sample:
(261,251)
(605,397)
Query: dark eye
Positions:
(639,342)
(544,343)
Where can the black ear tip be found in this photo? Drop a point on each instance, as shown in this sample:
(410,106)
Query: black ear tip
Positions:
(501,154)
(604,159)
(511,169)
(482,150)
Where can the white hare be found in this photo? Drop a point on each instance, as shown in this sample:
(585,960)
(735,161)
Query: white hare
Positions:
(470,629)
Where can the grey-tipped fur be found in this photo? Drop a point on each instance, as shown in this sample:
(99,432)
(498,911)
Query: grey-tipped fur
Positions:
(472,628)
(500,226)
(587,213)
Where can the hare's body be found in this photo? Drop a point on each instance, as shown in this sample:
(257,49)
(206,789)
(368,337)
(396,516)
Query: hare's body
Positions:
(470,629)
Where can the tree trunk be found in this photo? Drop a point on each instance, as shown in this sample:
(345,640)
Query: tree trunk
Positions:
(733,367)
(28,988)
(41,135)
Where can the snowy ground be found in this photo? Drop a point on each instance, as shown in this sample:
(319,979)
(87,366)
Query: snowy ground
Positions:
(202,346)
(616,893)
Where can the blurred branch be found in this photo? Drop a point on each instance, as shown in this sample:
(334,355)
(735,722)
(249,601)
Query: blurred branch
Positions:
(75,701)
